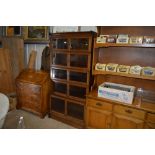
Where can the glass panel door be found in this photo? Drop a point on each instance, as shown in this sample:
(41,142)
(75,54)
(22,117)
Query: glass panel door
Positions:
(77,76)
(60,87)
(58,105)
(60,43)
(76,91)
(58,74)
(79,61)
(75,110)
(80,43)
(60,59)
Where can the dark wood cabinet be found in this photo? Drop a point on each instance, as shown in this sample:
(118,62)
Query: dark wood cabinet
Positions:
(33,91)
(71,56)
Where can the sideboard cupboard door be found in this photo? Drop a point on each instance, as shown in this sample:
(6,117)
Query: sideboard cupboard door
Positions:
(149,125)
(125,122)
(98,119)
(150,121)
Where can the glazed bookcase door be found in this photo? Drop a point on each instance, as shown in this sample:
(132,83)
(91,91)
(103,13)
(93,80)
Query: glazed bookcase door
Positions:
(79,60)
(77,92)
(59,59)
(79,43)
(60,88)
(75,110)
(78,76)
(57,73)
(60,43)
(57,105)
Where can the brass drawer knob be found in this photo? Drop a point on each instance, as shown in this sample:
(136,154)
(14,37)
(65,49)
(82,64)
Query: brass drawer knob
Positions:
(99,104)
(128,111)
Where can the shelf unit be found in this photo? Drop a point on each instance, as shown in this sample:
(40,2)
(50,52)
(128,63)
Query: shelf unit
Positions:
(124,54)
(71,58)
(98,114)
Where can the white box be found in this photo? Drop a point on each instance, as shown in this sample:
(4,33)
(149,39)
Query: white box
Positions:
(117,92)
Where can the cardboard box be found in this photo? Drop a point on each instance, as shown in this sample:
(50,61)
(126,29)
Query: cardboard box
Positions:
(116,92)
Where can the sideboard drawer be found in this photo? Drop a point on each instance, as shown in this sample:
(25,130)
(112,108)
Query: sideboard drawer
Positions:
(129,111)
(99,104)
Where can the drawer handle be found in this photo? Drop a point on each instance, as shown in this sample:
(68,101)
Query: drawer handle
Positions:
(128,111)
(99,104)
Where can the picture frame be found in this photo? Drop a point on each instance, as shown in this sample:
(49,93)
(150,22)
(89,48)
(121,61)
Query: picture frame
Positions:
(36,33)
(13,31)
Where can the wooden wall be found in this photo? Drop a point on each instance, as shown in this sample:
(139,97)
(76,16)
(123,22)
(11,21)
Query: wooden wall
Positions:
(37,47)
(131,30)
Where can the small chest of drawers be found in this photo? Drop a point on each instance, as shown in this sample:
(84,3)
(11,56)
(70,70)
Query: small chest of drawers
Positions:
(33,90)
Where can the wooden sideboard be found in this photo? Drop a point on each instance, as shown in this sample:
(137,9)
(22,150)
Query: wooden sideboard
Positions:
(104,113)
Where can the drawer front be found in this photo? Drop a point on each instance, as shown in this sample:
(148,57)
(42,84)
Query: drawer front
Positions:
(151,118)
(28,89)
(129,112)
(31,105)
(99,104)
(29,96)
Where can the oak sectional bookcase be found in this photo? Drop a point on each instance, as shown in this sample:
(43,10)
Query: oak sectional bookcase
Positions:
(71,57)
